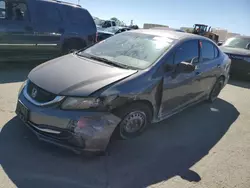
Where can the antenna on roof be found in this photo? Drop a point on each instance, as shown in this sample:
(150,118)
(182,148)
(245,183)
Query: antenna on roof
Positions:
(78,2)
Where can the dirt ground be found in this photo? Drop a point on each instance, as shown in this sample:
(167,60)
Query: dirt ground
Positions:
(206,146)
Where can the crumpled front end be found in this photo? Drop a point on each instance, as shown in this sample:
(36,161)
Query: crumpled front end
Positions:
(74,130)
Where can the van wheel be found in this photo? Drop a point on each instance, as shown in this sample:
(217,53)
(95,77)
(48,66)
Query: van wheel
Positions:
(135,118)
(72,45)
(216,90)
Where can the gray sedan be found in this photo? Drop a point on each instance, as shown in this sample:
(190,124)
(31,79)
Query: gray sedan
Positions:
(118,87)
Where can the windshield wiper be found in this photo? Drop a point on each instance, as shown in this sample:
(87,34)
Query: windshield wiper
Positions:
(104,60)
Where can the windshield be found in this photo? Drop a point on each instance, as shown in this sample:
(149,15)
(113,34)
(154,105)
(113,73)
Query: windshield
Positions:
(237,42)
(131,49)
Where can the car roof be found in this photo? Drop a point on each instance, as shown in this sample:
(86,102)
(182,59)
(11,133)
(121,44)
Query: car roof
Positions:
(62,2)
(169,33)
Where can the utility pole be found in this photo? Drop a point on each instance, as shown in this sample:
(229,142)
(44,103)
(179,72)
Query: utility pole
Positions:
(131,22)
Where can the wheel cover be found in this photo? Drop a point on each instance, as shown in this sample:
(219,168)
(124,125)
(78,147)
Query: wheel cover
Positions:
(134,122)
(216,90)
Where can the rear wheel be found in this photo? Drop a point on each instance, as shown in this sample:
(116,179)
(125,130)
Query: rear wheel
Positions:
(135,118)
(216,89)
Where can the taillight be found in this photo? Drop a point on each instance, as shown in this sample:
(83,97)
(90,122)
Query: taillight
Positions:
(92,38)
(96,37)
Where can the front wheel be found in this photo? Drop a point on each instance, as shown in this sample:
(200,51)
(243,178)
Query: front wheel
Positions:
(135,119)
(216,90)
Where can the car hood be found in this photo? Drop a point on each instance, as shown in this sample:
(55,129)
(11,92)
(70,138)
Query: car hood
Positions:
(236,51)
(71,75)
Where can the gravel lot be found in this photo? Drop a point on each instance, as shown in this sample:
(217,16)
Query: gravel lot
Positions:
(206,146)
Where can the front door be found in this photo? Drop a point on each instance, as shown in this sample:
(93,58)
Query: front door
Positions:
(181,89)
(17,39)
(48,29)
(208,67)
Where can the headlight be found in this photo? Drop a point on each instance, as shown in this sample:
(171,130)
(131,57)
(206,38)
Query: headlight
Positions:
(22,86)
(80,103)
(77,103)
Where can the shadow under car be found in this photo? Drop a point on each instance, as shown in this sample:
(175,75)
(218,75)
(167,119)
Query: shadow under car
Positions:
(167,149)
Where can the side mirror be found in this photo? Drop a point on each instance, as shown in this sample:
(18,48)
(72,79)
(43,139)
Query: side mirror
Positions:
(185,67)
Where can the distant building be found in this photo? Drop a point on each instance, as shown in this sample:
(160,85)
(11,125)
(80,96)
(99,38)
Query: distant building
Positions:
(229,35)
(186,28)
(224,34)
(168,28)
(150,25)
(163,28)
(221,32)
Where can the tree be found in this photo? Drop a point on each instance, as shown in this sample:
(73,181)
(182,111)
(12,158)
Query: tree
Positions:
(114,19)
(117,21)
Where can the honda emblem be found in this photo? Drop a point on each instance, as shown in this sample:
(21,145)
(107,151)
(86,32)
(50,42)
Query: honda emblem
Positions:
(34,93)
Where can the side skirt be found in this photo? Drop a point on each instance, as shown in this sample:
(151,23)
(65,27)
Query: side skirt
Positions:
(179,110)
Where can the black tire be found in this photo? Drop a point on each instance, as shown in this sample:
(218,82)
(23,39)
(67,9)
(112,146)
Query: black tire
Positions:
(216,89)
(136,116)
(72,45)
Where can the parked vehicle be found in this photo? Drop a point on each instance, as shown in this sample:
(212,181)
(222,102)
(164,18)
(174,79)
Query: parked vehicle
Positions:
(133,27)
(117,29)
(102,35)
(220,43)
(238,49)
(115,88)
(43,29)
(108,23)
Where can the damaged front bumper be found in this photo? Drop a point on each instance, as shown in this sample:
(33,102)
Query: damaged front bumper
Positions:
(74,130)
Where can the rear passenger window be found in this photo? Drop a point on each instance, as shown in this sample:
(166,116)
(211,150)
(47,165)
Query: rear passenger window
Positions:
(216,52)
(187,52)
(207,51)
(77,15)
(13,11)
(47,12)
(2,10)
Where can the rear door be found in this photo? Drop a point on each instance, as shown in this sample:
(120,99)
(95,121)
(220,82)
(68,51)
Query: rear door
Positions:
(180,89)
(209,66)
(80,24)
(17,39)
(48,28)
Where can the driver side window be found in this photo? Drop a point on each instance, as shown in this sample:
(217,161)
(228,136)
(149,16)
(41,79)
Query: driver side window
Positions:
(13,11)
(2,10)
(187,52)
